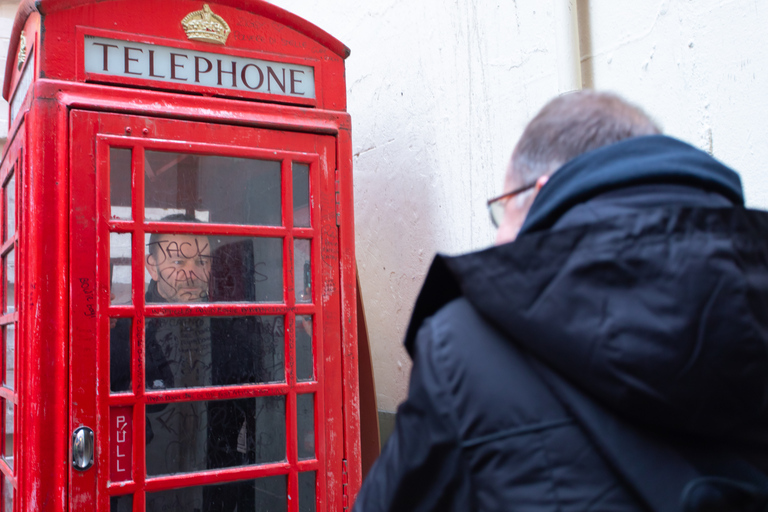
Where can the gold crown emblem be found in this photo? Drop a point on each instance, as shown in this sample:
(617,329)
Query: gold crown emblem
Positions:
(206,26)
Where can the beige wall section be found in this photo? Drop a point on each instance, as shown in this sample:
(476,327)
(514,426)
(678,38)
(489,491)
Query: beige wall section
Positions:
(699,67)
(439,92)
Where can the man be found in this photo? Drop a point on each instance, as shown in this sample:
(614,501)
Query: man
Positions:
(180,267)
(204,351)
(612,356)
(178,354)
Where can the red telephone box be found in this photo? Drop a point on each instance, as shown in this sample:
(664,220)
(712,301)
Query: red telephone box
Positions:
(178,320)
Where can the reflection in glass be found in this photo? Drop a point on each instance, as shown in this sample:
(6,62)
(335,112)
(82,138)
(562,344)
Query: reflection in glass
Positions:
(301,195)
(307,491)
(304,360)
(120,182)
(185,352)
(9,335)
(211,268)
(120,355)
(194,436)
(121,503)
(215,189)
(261,495)
(305,425)
(10,219)
(9,413)
(120,267)
(302,271)
(10,279)
(179,266)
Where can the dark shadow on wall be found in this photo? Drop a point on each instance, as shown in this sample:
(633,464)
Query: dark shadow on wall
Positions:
(386,425)
(370,436)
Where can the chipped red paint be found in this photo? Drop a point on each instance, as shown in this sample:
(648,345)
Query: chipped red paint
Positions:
(58,135)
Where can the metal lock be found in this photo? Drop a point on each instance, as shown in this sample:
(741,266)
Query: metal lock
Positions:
(82,448)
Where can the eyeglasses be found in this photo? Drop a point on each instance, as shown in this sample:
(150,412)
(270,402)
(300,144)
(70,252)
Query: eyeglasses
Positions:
(497,205)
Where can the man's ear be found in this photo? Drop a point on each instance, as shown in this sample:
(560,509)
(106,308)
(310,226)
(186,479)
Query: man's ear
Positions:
(151,265)
(541,182)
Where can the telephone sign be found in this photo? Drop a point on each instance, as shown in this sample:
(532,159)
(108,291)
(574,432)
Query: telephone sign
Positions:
(165,64)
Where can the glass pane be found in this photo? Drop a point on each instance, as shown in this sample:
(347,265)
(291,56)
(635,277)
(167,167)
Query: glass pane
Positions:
(304,360)
(120,354)
(185,352)
(120,267)
(121,503)
(10,220)
(301,195)
(9,412)
(9,333)
(302,271)
(7,494)
(212,268)
(216,189)
(261,495)
(120,182)
(194,436)
(270,430)
(307,491)
(305,425)
(10,279)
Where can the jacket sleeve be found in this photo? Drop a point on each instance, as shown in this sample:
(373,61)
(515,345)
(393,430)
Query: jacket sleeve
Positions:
(420,468)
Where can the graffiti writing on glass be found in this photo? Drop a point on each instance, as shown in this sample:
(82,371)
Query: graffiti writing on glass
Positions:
(194,436)
(181,266)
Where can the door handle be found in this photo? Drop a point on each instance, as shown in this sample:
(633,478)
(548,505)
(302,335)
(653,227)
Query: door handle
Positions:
(82,448)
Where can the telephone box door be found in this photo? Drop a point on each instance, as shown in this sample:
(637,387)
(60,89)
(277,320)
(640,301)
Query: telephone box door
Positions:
(205,348)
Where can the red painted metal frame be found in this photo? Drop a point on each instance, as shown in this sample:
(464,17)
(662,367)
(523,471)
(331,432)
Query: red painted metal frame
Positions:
(332,390)
(257,26)
(42,345)
(12,166)
(52,103)
(42,132)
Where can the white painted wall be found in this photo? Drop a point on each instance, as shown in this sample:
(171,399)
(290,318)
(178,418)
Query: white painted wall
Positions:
(700,67)
(439,92)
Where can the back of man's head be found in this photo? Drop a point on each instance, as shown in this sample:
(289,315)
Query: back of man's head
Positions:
(573,124)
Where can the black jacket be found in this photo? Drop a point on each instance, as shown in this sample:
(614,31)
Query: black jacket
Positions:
(639,283)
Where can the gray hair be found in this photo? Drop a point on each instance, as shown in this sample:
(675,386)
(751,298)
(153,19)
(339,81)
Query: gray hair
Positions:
(573,124)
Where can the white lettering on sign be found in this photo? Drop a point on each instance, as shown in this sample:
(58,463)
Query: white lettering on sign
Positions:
(174,65)
(121,443)
(121,424)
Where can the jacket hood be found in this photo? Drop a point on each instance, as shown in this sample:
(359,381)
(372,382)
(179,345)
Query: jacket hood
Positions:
(660,314)
(655,159)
